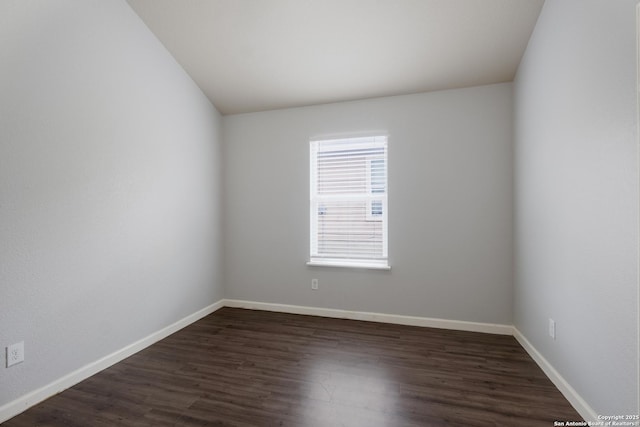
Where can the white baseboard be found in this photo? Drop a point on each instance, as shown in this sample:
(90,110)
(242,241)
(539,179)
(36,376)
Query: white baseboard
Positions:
(23,403)
(569,392)
(460,325)
(565,388)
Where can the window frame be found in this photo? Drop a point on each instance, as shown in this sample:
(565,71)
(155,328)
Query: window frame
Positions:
(346,144)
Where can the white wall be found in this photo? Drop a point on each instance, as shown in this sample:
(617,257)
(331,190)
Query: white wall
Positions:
(109,187)
(577,198)
(450,206)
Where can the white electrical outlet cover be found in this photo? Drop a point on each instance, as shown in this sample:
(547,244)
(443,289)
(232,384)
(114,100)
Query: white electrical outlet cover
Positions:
(15,354)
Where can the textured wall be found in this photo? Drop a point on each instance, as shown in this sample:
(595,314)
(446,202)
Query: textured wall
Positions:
(109,187)
(450,206)
(577,198)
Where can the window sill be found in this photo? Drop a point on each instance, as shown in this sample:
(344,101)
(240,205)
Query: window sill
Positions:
(369,265)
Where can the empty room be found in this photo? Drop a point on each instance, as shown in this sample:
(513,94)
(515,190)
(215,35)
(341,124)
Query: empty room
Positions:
(319,213)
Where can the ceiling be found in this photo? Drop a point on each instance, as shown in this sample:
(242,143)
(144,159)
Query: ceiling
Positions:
(255,55)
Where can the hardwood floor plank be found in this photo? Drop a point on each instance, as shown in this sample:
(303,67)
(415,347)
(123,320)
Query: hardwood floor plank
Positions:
(240,367)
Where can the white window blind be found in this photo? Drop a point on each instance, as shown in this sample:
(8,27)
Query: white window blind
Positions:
(349,202)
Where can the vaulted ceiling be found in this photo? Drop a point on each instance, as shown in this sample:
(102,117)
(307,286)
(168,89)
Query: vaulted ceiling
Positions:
(255,55)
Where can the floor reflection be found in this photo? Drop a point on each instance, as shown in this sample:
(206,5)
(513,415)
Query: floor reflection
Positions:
(348,390)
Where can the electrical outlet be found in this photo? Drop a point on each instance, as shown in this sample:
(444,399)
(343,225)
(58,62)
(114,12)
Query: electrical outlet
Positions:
(314,284)
(552,328)
(15,354)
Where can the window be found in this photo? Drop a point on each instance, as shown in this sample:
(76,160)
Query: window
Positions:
(349,202)
(376,184)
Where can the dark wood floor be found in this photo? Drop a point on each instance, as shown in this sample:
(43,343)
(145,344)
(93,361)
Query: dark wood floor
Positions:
(253,368)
